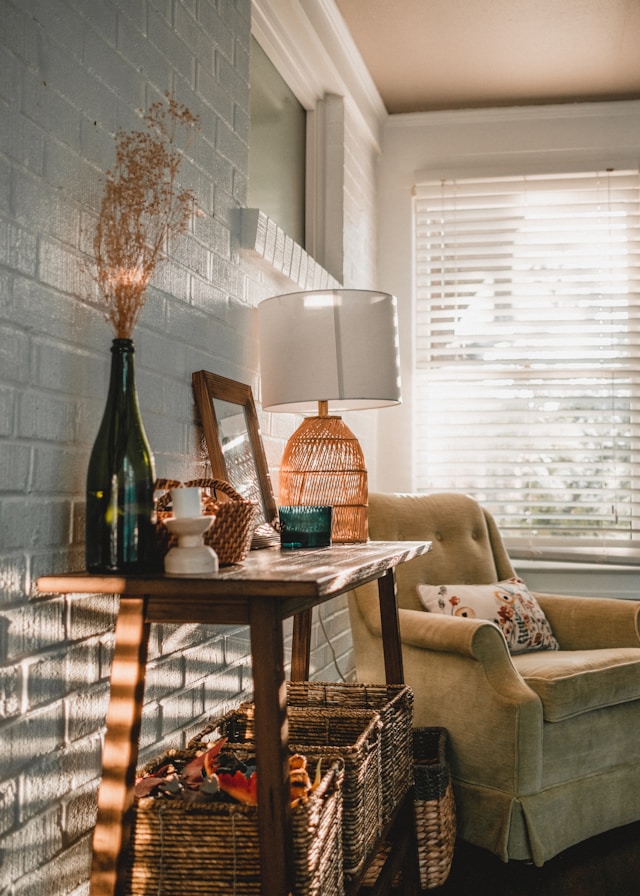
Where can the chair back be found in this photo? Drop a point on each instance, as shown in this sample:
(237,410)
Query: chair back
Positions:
(467,547)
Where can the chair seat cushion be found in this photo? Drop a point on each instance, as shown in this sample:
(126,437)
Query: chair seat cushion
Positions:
(571,682)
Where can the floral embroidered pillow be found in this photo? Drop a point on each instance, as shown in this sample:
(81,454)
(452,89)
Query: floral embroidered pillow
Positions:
(509,604)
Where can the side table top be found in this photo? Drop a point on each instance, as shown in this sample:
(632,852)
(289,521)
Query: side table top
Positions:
(270,572)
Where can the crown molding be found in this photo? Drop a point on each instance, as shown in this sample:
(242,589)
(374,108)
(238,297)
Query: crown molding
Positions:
(562,111)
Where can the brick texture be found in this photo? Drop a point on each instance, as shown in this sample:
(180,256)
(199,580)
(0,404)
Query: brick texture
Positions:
(71,73)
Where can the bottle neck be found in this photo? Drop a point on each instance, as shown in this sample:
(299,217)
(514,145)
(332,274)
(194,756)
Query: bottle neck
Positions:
(122,347)
(122,381)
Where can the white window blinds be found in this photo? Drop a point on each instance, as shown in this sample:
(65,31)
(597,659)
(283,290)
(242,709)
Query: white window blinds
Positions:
(527,350)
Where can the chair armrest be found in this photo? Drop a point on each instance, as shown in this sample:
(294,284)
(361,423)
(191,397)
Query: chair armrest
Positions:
(463,679)
(476,639)
(469,685)
(432,631)
(588,623)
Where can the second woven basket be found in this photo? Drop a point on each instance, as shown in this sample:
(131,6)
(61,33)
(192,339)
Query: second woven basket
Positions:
(434,806)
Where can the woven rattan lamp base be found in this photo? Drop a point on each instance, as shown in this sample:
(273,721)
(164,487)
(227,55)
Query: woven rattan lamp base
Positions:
(323,464)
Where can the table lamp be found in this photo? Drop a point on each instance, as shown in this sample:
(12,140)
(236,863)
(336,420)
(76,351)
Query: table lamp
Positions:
(328,350)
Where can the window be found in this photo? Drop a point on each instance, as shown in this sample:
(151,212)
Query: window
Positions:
(528,350)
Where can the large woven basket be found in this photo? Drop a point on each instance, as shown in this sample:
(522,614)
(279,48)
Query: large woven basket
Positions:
(434,806)
(394,703)
(352,735)
(212,848)
(232,530)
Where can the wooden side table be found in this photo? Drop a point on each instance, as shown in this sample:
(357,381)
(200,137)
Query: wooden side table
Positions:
(270,586)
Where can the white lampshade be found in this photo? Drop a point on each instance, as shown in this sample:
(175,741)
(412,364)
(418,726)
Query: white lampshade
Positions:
(339,346)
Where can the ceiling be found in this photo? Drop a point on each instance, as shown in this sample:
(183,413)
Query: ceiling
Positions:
(425,55)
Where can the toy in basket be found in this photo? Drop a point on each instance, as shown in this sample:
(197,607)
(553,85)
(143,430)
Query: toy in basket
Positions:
(196,826)
(232,530)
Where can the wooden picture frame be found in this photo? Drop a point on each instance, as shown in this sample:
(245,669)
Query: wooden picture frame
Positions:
(232,434)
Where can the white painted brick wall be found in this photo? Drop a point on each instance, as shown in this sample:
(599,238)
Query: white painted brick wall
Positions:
(71,73)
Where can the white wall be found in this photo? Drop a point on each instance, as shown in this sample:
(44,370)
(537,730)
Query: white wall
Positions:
(71,73)
(591,136)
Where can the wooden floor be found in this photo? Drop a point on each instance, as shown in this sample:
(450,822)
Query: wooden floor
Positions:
(608,865)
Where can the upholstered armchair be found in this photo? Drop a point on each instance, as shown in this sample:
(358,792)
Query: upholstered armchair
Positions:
(544,745)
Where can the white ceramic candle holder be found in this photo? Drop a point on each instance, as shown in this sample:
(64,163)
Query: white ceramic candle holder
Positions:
(191,556)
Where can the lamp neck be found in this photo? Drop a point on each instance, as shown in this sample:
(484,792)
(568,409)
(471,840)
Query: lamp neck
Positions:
(323,409)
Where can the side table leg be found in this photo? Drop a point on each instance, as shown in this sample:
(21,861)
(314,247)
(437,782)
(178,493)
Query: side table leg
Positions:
(393,666)
(272,741)
(120,755)
(301,645)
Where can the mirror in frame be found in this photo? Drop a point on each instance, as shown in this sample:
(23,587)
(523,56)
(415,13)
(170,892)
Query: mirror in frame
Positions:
(232,434)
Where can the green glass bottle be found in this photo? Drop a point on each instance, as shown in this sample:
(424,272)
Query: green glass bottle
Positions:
(120,530)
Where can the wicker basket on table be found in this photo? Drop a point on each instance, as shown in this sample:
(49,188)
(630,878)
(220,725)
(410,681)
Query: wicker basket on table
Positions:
(184,847)
(232,530)
(434,806)
(352,735)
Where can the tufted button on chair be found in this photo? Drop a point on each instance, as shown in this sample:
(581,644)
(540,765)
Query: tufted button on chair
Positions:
(544,745)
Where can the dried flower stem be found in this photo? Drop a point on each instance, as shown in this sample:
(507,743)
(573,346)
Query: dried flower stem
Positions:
(141,208)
